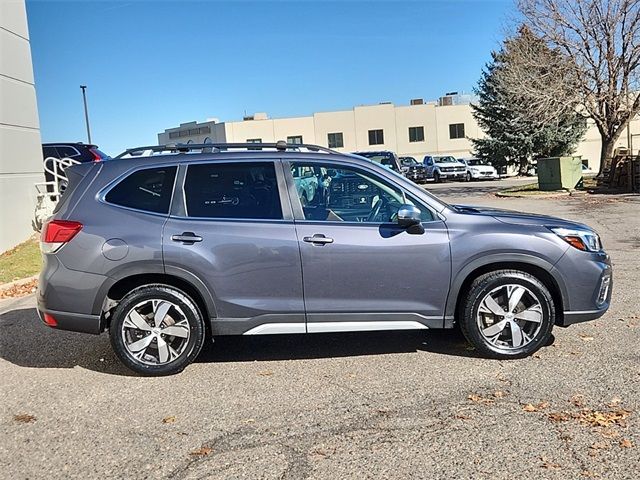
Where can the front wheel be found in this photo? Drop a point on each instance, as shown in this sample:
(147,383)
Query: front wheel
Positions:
(436,177)
(507,314)
(157,330)
(468,177)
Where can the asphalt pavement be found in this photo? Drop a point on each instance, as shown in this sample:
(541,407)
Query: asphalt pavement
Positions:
(367,405)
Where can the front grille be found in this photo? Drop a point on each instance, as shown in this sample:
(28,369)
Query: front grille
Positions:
(460,169)
(447,169)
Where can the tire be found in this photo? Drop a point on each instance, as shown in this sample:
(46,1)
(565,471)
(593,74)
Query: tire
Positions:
(436,177)
(182,318)
(496,336)
(468,177)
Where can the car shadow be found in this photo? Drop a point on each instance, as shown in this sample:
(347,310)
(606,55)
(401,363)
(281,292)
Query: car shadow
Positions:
(25,341)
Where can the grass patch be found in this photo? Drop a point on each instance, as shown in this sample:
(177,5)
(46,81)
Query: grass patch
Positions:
(21,261)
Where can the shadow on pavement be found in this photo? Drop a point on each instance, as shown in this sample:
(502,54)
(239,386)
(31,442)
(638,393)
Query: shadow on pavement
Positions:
(26,342)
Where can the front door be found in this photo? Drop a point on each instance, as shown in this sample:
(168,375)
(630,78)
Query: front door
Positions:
(361,271)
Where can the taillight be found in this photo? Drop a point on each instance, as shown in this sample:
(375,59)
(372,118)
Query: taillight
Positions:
(56,233)
(96,156)
(50,320)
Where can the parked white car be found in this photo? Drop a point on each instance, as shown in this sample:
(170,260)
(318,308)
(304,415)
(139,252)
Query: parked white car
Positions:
(443,167)
(478,169)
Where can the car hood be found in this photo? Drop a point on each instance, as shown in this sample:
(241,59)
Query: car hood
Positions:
(519,218)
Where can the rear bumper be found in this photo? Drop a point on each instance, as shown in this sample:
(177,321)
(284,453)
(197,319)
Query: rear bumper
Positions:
(74,322)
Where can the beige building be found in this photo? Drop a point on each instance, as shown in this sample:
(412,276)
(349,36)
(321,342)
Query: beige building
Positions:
(20,148)
(409,130)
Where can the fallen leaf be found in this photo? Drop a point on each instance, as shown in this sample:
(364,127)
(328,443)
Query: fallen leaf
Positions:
(549,465)
(170,419)
(201,452)
(558,416)
(626,443)
(608,433)
(589,474)
(24,418)
(19,290)
(615,401)
(499,394)
(577,400)
(530,407)
(461,416)
(249,420)
(599,446)
(475,398)
(586,338)
(265,373)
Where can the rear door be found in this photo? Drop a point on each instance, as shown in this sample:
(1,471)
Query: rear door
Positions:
(232,229)
(361,270)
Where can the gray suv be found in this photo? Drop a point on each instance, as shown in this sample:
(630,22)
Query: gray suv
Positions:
(166,246)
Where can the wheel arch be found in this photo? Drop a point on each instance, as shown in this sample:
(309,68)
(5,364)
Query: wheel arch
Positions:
(184,281)
(539,268)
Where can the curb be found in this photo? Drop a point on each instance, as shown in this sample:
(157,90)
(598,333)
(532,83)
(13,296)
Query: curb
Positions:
(17,283)
(540,196)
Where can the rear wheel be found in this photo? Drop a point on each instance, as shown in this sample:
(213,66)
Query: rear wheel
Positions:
(507,314)
(157,330)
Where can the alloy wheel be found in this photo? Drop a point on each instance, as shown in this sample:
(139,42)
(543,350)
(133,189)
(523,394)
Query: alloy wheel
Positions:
(509,317)
(156,332)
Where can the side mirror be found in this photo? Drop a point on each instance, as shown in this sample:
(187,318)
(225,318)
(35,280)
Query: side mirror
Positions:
(408,216)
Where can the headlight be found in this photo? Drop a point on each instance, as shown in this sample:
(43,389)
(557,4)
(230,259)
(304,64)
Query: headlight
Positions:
(474,170)
(586,240)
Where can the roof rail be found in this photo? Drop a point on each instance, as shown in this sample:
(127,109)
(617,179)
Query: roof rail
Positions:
(280,146)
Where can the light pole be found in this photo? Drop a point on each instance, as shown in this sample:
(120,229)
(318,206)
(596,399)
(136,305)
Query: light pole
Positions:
(86,111)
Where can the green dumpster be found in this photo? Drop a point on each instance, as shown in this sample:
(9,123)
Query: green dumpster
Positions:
(557,173)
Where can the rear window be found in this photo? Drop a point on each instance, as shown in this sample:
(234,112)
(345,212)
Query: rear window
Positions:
(233,190)
(149,190)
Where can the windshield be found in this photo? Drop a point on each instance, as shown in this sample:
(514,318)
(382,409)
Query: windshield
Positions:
(408,161)
(447,159)
(383,158)
(476,161)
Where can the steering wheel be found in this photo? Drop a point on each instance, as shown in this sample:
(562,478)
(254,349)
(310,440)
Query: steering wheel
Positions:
(375,210)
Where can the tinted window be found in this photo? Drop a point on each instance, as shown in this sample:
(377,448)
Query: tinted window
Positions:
(232,190)
(149,189)
(49,152)
(456,130)
(416,134)
(67,152)
(376,137)
(335,140)
(346,194)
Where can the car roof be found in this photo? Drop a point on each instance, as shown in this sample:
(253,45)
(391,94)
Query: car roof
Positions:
(70,144)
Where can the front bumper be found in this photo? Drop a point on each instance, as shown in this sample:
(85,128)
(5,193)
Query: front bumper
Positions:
(484,176)
(589,283)
(454,175)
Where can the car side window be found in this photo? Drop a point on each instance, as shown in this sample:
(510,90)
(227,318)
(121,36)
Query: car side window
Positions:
(337,193)
(148,189)
(232,190)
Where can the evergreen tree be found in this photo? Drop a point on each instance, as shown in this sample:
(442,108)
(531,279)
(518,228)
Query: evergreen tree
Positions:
(513,135)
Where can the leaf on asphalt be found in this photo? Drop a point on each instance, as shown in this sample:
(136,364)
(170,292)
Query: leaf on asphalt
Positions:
(577,400)
(589,474)
(549,465)
(615,401)
(462,416)
(599,446)
(24,418)
(530,407)
(500,394)
(250,420)
(475,398)
(609,433)
(626,443)
(170,419)
(201,452)
(559,416)
(586,338)
(265,373)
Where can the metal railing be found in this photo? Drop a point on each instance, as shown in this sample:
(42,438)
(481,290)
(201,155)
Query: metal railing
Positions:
(49,192)
(280,146)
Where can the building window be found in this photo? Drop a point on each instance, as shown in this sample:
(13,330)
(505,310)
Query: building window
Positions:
(335,140)
(254,140)
(456,130)
(296,140)
(376,137)
(416,134)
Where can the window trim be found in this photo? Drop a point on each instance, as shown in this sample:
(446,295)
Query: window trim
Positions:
(296,205)
(179,209)
(102,194)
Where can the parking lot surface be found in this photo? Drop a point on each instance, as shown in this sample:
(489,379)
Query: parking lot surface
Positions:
(374,405)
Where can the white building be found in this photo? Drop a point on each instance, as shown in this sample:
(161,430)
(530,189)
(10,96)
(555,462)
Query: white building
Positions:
(20,147)
(417,129)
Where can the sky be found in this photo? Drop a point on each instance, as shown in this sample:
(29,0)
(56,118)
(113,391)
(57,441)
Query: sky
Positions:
(151,65)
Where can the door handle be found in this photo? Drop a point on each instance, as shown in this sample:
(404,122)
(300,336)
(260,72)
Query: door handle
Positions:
(186,237)
(318,239)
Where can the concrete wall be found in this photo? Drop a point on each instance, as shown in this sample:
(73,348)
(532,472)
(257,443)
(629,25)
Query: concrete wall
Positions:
(20,147)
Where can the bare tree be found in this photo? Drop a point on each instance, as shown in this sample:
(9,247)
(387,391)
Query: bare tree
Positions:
(600,42)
